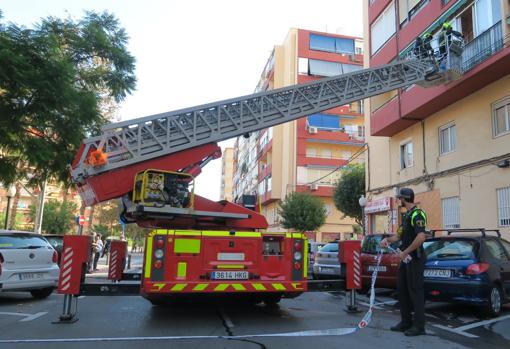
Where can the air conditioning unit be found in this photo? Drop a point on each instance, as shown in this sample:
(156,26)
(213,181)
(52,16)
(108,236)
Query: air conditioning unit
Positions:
(314,186)
(312,129)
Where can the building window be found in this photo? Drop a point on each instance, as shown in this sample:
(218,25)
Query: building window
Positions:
(407,9)
(311,152)
(406,155)
(447,138)
(326,68)
(330,44)
(326,153)
(501,117)
(383,28)
(324,121)
(451,212)
(504,206)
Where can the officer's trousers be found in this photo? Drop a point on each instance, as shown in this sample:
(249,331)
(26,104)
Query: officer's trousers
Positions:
(411,293)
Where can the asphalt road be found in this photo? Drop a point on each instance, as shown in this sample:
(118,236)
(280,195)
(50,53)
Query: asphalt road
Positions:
(132,322)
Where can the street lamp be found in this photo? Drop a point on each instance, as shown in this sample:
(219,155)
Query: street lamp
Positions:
(10,193)
(363,202)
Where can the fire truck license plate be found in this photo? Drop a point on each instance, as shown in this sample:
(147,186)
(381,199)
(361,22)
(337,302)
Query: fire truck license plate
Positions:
(229,275)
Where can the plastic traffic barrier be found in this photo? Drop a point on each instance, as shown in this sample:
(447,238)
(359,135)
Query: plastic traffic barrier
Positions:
(75,255)
(349,254)
(118,252)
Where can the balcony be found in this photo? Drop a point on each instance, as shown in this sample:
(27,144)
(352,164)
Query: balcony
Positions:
(485,60)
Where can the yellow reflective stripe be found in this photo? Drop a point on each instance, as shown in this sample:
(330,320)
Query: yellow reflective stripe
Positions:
(200,287)
(297,235)
(161,232)
(288,235)
(238,287)
(221,287)
(178,287)
(148,257)
(230,266)
(158,286)
(188,232)
(227,233)
(259,287)
(181,269)
(187,246)
(278,287)
(171,232)
(305,257)
(297,285)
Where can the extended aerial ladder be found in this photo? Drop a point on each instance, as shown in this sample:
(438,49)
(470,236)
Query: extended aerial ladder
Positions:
(185,140)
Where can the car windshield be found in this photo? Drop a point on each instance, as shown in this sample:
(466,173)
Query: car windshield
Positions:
(330,247)
(371,245)
(451,249)
(15,241)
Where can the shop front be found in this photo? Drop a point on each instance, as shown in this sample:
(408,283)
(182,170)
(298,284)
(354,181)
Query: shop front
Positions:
(381,216)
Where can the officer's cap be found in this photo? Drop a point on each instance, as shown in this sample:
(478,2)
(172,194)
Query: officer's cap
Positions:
(406,194)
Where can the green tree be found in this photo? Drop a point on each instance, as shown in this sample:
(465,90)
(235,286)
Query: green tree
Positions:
(348,189)
(302,212)
(58,217)
(54,81)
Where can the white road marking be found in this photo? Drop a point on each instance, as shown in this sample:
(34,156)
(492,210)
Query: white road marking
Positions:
(455,330)
(482,323)
(14,314)
(34,316)
(387,302)
(310,333)
(26,317)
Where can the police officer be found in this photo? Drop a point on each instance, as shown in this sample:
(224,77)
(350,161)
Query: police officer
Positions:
(410,275)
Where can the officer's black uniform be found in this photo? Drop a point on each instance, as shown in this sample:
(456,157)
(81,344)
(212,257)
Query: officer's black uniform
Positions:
(410,276)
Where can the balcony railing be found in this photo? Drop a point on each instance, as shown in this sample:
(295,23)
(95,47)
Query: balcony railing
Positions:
(483,47)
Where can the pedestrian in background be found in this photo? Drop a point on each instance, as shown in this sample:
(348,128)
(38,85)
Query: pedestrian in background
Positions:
(411,293)
(98,249)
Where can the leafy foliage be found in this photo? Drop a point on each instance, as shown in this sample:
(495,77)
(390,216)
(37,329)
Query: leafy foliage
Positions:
(53,81)
(302,212)
(58,217)
(348,190)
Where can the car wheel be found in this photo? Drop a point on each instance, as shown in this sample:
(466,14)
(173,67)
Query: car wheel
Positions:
(493,308)
(42,293)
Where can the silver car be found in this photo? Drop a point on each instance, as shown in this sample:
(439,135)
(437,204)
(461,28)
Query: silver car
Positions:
(326,265)
(27,263)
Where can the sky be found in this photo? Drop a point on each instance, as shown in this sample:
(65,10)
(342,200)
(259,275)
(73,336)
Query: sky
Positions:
(191,52)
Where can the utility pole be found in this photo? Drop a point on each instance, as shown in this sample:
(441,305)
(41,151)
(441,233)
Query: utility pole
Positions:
(40,208)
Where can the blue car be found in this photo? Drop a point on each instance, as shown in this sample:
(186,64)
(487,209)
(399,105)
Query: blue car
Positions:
(470,266)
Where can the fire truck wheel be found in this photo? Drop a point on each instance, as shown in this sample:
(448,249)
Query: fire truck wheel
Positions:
(272,299)
(157,302)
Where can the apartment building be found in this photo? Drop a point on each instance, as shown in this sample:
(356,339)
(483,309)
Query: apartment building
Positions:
(303,155)
(227,174)
(450,143)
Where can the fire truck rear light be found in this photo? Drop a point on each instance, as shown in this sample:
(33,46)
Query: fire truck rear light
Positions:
(297,265)
(160,243)
(55,257)
(297,256)
(158,264)
(298,246)
(435,293)
(158,253)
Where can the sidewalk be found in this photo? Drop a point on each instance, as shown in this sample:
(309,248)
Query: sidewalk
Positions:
(102,267)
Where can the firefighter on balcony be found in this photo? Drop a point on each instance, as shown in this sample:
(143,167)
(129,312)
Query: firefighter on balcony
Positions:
(410,276)
(445,38)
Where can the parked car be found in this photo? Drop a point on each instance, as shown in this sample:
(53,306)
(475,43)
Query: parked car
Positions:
(388,268)
(313,248)
(326,265)
(471,266)
(57,242)
(27,263)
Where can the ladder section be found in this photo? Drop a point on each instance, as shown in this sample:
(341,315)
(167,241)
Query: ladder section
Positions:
(138,140)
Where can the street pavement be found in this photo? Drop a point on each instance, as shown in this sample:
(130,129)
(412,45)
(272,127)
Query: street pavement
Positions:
(132,322)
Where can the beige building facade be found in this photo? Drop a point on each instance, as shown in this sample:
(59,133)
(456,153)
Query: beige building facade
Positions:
(450,144)
(227,174)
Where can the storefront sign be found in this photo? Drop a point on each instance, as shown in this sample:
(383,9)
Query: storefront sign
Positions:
(378,205)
